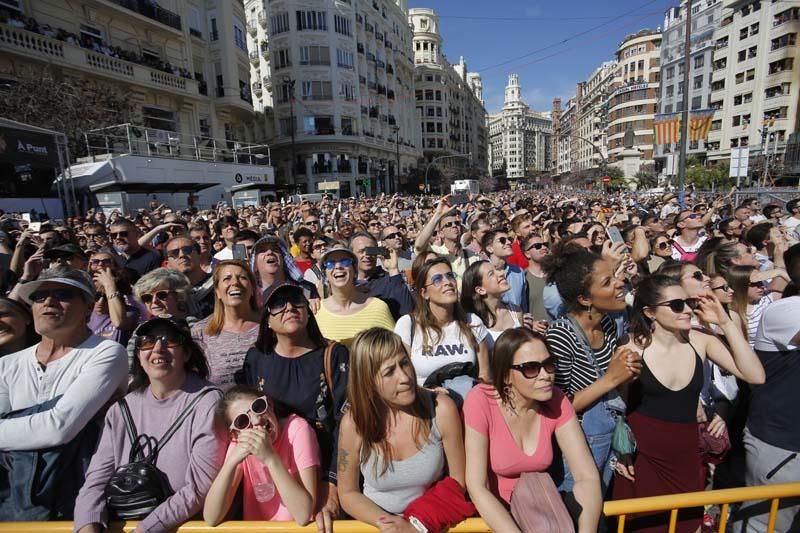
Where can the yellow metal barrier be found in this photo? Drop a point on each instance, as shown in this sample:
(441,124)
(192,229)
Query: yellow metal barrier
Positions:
(620,508)
(725,497)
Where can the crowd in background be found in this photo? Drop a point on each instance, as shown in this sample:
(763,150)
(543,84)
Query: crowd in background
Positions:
(311,361)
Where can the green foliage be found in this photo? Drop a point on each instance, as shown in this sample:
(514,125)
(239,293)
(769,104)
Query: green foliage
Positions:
(706,178)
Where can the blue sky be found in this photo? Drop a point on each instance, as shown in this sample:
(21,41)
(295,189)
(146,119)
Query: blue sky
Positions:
(468,30)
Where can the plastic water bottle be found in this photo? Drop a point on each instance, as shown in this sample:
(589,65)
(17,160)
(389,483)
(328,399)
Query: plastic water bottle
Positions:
(263,487)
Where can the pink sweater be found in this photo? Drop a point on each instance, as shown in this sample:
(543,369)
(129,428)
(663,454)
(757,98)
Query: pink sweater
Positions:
(191,459)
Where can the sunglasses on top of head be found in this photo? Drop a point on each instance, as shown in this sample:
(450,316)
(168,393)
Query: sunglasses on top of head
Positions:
(696,275)
(532,369)
(242,421)
(679,304)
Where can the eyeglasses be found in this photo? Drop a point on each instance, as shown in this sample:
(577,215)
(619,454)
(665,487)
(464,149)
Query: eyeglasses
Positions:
(692,216)
(278,304)
(60,295)
(697,275)
(242,421)
(162,296)
(724,288)
(663,245)
(532,369)
(395,235)
(148,342)
(118,235)
(438,279)
(536,246)
(328,230)
(177,252)
(346,262)
(678,305)
(374,224)
(452,224)
(503,240)
(101,262)
(312,222)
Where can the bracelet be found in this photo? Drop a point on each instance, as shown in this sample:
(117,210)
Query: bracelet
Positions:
(419,526)
(113,295)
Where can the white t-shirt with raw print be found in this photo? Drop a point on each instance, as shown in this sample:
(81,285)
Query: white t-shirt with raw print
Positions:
(450,348)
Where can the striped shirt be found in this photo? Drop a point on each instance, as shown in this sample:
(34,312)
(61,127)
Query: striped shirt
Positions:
(574,372)
(754,317)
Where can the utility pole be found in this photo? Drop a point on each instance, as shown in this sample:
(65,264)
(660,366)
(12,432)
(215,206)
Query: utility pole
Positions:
(289,82)
(687,65)
(396,178)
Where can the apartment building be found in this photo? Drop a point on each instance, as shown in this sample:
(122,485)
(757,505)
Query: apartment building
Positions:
(450,114)
(755,78)
(520,138)
(634,94)
(564,140)
(182,63)
(337,79)
(591,117)
(705,19)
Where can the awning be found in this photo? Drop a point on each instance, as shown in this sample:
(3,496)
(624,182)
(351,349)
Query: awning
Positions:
(149,187)
(260,187)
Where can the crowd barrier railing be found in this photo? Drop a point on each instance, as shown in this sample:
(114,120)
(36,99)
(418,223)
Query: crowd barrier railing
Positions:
(620,508)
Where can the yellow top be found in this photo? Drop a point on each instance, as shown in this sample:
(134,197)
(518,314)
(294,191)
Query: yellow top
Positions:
(344,328)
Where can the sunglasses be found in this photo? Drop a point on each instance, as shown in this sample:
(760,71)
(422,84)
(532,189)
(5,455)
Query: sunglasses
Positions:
(279,304)
(452,224)
(177,252)
(60,295)
(532,369)
(663,245)
(503,240)
(328,230)
(678,305)
(162,296)
(118,235)
(692,216)
(757,284)
(536,246)
(438,279)
(697,275)
(395,235)
(242,421)
(347,262)
(374,224)
(148,342)
(724,287)
(312,222)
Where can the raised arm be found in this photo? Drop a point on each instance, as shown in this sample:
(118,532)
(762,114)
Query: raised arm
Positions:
(424,237)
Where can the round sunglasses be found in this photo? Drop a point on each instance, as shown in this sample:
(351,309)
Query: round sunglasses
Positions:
(147,299)
(242,421)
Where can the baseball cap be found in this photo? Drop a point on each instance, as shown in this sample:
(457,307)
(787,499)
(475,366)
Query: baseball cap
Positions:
(339,248)
(64,250)
(178,325)
(65,276)
(270,291)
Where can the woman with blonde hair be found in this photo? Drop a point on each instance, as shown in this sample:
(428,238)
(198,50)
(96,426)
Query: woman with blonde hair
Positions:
(400,437)
(166,292)
(752,294)
(232,329)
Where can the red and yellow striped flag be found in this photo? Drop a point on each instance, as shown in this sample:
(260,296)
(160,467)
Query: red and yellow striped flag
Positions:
(667,128)
(700,124)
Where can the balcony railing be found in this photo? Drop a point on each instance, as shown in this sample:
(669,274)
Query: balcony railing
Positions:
(251,28)
(45,49)
(262,19)
(254,57)
(151,10)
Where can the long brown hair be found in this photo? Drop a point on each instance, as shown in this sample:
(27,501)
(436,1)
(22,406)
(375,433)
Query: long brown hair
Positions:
(370,413)
(738,278)
(423,316)
(217,321)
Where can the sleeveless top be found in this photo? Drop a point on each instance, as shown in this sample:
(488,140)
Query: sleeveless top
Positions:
(667,405)
(495,333)
(405,481)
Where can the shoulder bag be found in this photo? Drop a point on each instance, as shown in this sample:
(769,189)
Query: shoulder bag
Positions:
(137,488)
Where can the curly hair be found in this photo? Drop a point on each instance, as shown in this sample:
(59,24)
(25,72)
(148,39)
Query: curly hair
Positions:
(570,267)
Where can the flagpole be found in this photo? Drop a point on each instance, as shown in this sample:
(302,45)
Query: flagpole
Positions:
(687,64)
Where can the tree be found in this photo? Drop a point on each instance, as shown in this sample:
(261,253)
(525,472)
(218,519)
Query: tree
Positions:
(72,107)
(646,180)
(487,183)
(701,177)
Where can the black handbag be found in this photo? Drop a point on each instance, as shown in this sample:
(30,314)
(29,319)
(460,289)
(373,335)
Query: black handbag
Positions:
(137,488)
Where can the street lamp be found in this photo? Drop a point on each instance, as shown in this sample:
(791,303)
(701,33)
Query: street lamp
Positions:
(289,84)
(396,130)
(435,159)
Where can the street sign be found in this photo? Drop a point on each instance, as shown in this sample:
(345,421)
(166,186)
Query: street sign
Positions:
(606,179)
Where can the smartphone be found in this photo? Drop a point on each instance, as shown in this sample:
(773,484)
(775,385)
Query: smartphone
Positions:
(614,234)
(35,226)
(239,252)
(459,199)
(377,250)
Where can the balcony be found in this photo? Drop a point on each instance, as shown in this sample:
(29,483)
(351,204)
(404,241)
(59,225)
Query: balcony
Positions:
(262,19)
(257,89)
(267,81)
(40,48)
(252,29)
(254,57)
(151,10)
(195,33)
(264,47)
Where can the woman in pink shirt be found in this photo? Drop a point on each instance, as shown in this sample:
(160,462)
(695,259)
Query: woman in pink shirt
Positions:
(509,425)
(276,460)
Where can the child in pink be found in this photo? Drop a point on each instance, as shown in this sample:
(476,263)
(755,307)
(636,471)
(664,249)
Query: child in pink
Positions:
(506,460)
(276,460)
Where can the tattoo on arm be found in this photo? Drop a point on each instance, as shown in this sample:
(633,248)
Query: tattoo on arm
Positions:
(342,459)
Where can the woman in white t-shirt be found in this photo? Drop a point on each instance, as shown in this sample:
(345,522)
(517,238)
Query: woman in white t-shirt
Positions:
(439,333)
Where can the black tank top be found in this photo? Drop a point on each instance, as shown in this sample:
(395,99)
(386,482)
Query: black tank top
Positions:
(664,404)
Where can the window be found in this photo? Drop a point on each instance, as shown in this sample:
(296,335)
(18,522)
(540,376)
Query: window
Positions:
(668,108)
(697,102)
(283,92)
(670,73)
(349,126)
(698,82)
(238,36)
(699,61)
(160,119)
(281,59)
(751,52)
(316,90)
(315,55)
(742,55)
(318,125)
(784,40)
(750,74)
(342,25)
(754,29)
(279,23)
(312,20)
(740,78)
(737,100)
(345,58)
(670,90)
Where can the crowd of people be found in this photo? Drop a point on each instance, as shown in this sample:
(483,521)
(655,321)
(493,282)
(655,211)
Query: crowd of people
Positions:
(314,361)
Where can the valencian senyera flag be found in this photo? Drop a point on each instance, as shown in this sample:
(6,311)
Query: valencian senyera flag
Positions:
(667,126)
